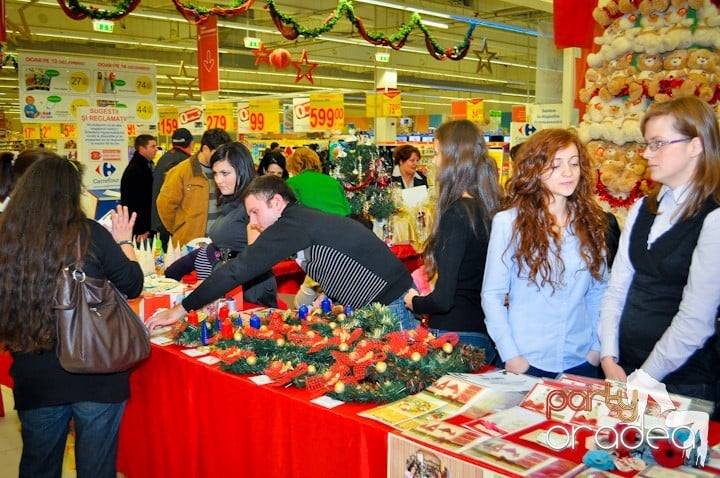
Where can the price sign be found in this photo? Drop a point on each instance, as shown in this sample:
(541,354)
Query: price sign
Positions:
(79,81)
(50,131)
(168,120)
(391,105)
(264,116)
(476,110)
(144,85)
(131,129)
(144,110)
(31,132)
(243,116)
(218,115)
(327,111)
(69,131)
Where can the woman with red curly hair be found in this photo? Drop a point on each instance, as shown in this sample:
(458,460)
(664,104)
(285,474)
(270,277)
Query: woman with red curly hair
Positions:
(547,255)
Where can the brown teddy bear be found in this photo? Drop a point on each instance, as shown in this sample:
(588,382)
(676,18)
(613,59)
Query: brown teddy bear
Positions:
(647,79)
(612,168)
(606,12)
(673,79)
(617,72)
(701,72)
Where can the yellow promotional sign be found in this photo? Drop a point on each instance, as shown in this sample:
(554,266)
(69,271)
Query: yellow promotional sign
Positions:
(327,111)
(31,132)
(476,110)
(219,115)
(168,120)
(50,131)
(264,116)
(383,104)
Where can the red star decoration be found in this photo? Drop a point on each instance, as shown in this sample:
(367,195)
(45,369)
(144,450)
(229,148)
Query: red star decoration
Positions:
(300,67)
(262,55)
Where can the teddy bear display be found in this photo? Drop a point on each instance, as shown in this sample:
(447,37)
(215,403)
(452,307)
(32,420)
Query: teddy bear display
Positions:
(649,50)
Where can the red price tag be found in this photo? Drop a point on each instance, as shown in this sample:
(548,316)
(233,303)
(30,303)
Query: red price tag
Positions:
(326,118)
(215,121)
(257,121)
(168,126)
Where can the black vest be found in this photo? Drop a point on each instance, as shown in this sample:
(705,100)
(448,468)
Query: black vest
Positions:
(653,299)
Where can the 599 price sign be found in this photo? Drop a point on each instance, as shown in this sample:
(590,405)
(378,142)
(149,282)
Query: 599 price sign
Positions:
(327,111)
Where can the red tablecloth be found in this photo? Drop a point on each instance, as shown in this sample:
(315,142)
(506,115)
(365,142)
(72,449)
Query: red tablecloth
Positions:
(289,275)
(189,419)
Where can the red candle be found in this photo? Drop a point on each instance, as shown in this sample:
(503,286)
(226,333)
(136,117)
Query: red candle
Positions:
(192,318)
(226,329)
(223,312)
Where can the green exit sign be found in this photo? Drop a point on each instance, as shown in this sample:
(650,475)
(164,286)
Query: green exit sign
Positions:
(382,57)
(103,26)
(251,42)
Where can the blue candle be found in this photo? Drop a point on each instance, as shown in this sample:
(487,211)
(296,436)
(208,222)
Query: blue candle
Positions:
(326,305)
(303,312)
(255,321)
(349,311)
(204,332)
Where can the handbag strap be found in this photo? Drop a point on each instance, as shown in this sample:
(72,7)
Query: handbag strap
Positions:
(77,267)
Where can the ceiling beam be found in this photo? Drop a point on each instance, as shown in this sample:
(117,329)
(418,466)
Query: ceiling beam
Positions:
(542,5)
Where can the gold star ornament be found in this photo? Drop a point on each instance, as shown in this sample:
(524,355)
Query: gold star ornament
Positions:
(484,56)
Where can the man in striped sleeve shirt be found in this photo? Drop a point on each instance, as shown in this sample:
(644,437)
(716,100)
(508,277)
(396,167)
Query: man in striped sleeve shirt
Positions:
(353,266)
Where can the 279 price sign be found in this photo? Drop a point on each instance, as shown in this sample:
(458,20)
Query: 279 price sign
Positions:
(327,111)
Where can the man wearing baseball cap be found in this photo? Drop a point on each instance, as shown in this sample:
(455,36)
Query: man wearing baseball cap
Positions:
(182,141)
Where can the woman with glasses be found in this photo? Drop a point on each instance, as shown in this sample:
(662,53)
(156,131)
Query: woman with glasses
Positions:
(548,256)
(662,301)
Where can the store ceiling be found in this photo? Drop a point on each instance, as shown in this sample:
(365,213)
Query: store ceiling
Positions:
(156,33)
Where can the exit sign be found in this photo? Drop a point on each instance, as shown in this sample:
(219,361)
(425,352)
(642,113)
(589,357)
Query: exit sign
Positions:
(251,42)
(105,26)
(382,57)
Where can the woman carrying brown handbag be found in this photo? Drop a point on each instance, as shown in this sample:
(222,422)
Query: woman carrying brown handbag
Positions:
(39,231)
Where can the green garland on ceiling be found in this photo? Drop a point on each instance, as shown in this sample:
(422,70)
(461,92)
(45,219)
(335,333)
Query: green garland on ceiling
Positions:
(291,29)
(196,14)
(77,11)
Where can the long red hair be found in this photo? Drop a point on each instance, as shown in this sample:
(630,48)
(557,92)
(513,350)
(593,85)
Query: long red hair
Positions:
(535,227)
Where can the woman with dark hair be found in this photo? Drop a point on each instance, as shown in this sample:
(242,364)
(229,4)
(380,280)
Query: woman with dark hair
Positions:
(454,253)
(659,313)
(233,170)
(548,257)
(405,173)
(273,162)
(34,248)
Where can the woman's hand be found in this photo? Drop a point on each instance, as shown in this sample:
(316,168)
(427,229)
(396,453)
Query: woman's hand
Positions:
(165,317)
(122,223)
(593,358)
(612,370)
(517,364)
(409,297)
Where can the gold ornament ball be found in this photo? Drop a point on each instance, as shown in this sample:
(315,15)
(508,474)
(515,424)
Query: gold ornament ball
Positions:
(343,347)
(280,342)
(251,360)
(416,356)
(237,335)
(447,348)
(332,325)
(340,317)
(380,367)
(312,369)
(339,387)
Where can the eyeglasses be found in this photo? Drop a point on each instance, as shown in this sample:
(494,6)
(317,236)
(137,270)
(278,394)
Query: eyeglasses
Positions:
(655,145)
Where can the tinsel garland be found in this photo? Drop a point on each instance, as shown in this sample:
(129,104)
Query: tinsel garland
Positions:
(198,15)
(291,29)
(362,357)
(77,11)
(634,194)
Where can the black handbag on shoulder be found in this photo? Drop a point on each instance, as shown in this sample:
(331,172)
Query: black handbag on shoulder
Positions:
(97,330)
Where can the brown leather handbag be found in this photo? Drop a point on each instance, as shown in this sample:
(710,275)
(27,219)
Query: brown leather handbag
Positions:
(97,330)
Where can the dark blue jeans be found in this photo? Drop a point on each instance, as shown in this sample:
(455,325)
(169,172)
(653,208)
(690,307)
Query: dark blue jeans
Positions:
(45,431)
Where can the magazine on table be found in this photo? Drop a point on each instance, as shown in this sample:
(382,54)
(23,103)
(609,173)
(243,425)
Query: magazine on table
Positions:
(515,458)
(412,406)
(444,435)
(505,421)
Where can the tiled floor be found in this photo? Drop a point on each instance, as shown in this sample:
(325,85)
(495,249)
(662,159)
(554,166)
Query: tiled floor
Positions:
(11,443)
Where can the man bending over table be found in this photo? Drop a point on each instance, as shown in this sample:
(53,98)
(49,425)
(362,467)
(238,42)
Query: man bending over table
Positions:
(353,266)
